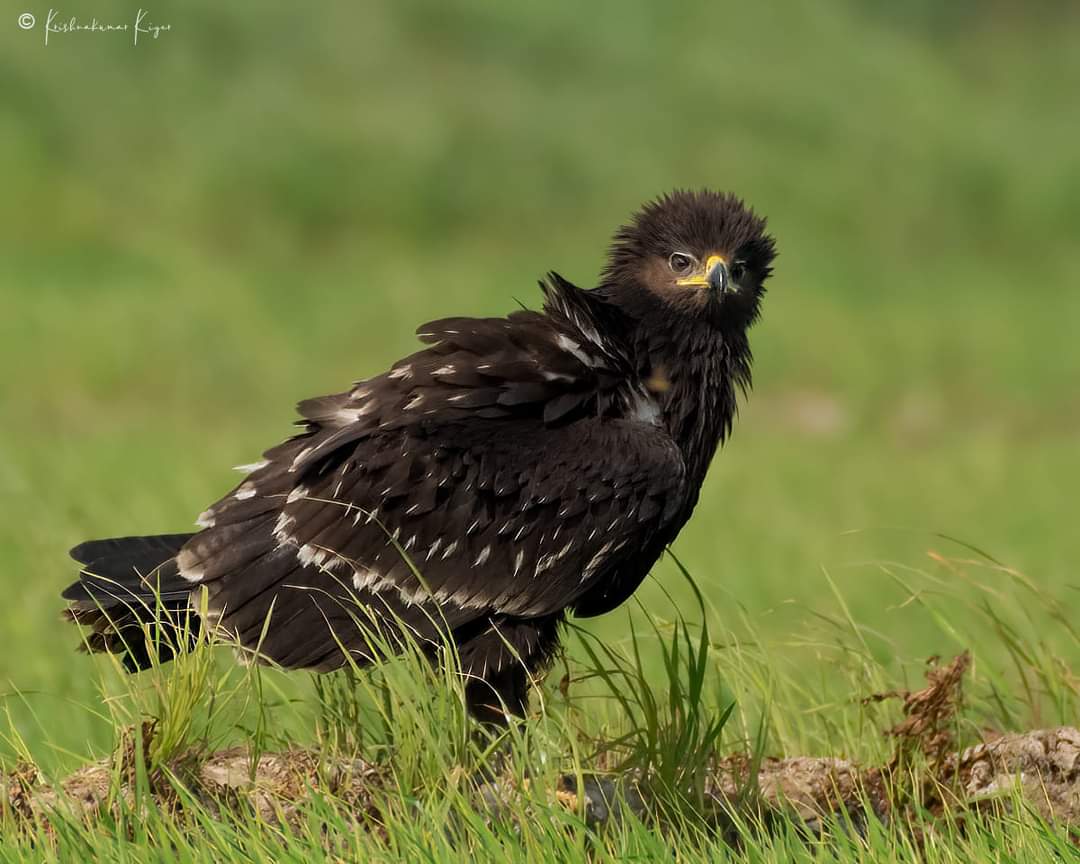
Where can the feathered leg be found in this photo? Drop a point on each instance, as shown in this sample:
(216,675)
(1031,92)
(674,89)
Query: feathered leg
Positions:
(502,662)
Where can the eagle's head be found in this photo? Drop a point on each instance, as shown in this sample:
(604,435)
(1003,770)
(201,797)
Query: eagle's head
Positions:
(701,254)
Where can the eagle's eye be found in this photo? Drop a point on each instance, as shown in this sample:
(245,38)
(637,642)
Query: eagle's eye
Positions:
(681,263)
(737,270)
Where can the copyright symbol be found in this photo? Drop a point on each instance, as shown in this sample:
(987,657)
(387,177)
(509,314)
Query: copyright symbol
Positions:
(26,21)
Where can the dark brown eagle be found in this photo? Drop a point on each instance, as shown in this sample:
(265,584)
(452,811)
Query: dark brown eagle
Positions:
(511,471)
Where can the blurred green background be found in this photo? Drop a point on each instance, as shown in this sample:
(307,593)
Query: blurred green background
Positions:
(261,205)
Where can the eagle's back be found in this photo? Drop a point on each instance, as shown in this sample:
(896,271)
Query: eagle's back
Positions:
(508,469)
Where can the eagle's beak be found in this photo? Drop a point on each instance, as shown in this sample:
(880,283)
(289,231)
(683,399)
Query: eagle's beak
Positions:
(714,275)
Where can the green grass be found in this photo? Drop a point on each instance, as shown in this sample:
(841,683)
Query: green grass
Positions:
(262,206)
(612,713)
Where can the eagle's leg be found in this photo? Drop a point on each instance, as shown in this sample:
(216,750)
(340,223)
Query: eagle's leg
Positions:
(501,663)
(493,700)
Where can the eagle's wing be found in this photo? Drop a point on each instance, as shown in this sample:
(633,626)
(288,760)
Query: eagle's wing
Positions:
(516,520)
(505,469)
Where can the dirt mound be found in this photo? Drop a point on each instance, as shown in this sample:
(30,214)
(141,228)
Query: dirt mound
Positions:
(1040,768)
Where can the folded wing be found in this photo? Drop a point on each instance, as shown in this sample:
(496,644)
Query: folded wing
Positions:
(505,470)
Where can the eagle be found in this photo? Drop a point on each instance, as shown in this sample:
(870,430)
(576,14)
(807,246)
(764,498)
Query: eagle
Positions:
(512,471)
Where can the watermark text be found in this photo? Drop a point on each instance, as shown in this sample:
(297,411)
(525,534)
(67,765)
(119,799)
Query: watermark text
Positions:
(141,27)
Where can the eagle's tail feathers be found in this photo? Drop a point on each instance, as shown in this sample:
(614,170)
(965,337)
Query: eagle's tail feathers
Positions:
(133,600)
